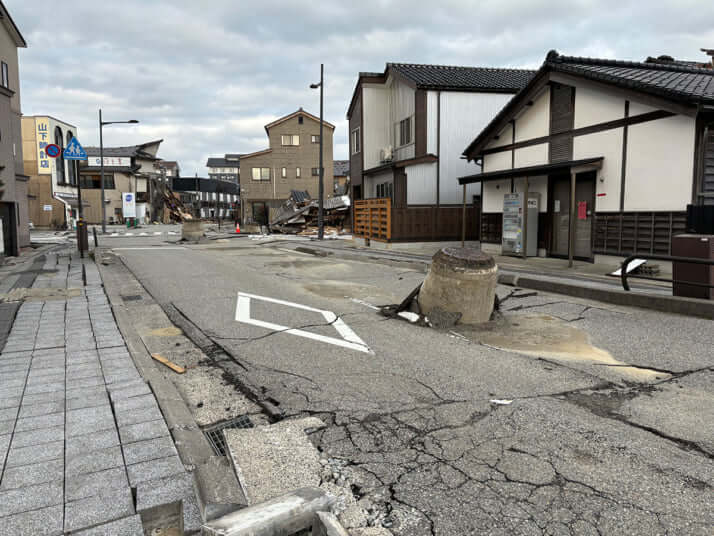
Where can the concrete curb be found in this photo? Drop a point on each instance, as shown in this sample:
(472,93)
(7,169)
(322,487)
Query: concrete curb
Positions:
(193,447)
(665,304)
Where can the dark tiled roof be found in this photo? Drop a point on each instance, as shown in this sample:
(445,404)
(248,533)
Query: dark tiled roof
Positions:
(341,168)
(188,184)
(467,78)
(130,151)
(222,162)
(671,80)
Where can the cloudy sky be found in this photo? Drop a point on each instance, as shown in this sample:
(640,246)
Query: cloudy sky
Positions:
(207,75)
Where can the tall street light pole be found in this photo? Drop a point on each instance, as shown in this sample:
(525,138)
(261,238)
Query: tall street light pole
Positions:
(321,195)
(101,163)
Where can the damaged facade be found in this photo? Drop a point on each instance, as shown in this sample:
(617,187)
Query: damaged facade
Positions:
(616,151)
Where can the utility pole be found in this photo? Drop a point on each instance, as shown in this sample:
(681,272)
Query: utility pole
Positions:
(321,189)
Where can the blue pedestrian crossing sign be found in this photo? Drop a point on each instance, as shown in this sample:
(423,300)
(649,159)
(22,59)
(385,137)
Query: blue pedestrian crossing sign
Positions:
(74,151)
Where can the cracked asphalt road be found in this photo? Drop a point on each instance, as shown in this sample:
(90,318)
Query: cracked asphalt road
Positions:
(583,449)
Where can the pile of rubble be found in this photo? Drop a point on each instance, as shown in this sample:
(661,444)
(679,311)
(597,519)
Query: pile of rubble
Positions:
(298,215)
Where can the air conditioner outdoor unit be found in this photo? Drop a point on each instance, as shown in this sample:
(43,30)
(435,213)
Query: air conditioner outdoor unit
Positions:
(385,155)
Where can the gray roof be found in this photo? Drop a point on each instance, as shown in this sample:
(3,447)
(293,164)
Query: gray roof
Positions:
(130,151)
(465,78)
(223,162)
(672,80)
(341,168)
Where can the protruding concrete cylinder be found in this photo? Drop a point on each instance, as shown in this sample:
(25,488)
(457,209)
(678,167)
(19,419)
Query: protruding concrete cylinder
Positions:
(192,230)
(460,280)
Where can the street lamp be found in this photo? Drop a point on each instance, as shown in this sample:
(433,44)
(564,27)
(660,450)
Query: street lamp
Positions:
(321,196)
(101,162)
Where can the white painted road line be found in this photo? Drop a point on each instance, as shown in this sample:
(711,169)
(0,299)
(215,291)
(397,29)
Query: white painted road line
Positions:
(114,234)
(149,248)
(349,338)
(155,232)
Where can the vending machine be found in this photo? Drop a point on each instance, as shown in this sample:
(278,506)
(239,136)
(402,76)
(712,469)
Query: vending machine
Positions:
(512,234)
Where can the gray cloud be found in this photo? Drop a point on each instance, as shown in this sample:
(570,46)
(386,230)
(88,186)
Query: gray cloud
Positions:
(206,76)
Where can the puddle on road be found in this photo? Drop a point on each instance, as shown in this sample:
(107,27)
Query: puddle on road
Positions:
(550,338)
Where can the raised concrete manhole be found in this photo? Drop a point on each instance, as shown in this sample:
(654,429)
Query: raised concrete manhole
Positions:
(214,432)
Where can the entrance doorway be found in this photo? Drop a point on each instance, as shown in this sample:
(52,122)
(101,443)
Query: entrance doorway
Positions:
(260,213)
(9,229)
(584,212)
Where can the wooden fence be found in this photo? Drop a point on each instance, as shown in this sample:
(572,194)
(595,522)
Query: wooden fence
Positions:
(373,219)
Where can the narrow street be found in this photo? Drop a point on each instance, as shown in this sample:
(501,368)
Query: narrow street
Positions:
(561,417)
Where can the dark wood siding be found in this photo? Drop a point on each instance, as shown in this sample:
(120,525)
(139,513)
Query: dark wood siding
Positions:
(627,233)
(491,227)
(433,223)
(355,159)
(420,123)
(400,188)
(708,167)
(562,119)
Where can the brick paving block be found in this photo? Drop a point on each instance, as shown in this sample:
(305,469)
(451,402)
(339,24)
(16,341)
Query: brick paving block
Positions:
(44,388)
(84,382)
(42,398)
(36,372)
(131,389)
(136,402)
(87,420)
(83,444)
(88,401)
(32,474)
(7,427)
(128,526)
(38,437)
(4,446)
(91,462)
(154,470)
(10,383)
(11,392)
(45,408)
(34,453)
(136,416)
(163,491)
(151,449)
(110,505)
(80,392)
(122,376)
(39,422)
(8,369)
(20,500)
(89,484)
(42,522)
(142,431)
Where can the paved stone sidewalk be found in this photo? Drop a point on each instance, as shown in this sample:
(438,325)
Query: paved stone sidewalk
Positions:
(84,447)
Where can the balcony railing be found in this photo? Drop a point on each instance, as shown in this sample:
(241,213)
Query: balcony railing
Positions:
(373,219)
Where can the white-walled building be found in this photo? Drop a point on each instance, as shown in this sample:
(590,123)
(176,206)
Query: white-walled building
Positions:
(408,128)
(637,139)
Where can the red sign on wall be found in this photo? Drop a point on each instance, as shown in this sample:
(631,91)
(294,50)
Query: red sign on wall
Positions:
(583,210)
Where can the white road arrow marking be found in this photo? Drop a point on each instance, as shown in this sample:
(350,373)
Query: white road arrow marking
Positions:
(349,338)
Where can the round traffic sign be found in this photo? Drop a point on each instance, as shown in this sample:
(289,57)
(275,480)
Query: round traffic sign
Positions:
(52,150)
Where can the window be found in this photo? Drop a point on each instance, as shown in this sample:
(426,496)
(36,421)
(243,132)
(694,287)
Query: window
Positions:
(5,76)
(300,120)
(94,182)
(297,172)
(59,161)
(284,173)
(290,139)
(385,190)
(315,139)
(356,141)
(316,172)
(404,133)
(261,174)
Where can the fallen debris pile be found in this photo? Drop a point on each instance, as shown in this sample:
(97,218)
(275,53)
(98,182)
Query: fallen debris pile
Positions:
(298,215)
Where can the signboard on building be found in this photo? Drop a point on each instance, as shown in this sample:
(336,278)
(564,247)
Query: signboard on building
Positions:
(128,205)
(47,208)
(42,136)
(109,161)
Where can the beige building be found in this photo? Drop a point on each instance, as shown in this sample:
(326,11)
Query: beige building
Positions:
(13,182)
(52,185)
(290,163)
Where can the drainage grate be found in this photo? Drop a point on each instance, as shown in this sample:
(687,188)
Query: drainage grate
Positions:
(134,297)
(214,433)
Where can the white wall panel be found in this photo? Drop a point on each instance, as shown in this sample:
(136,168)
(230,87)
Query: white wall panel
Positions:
(463,117)
(531,156)
(609,145)
(497,161)
(593,106)
(375,124)
(492,199)
(535,120)
(421,184)
(660,157)
(432,118)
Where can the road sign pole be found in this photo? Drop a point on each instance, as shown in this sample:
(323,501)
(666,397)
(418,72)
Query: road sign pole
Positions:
(80,212)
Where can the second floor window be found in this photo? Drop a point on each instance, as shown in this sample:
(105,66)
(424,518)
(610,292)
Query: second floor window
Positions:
(290,139)
(315,172)
(404,132)
(261,174)
(297,172)
(5,76)
(315,139)
(284,173)
(355,141)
